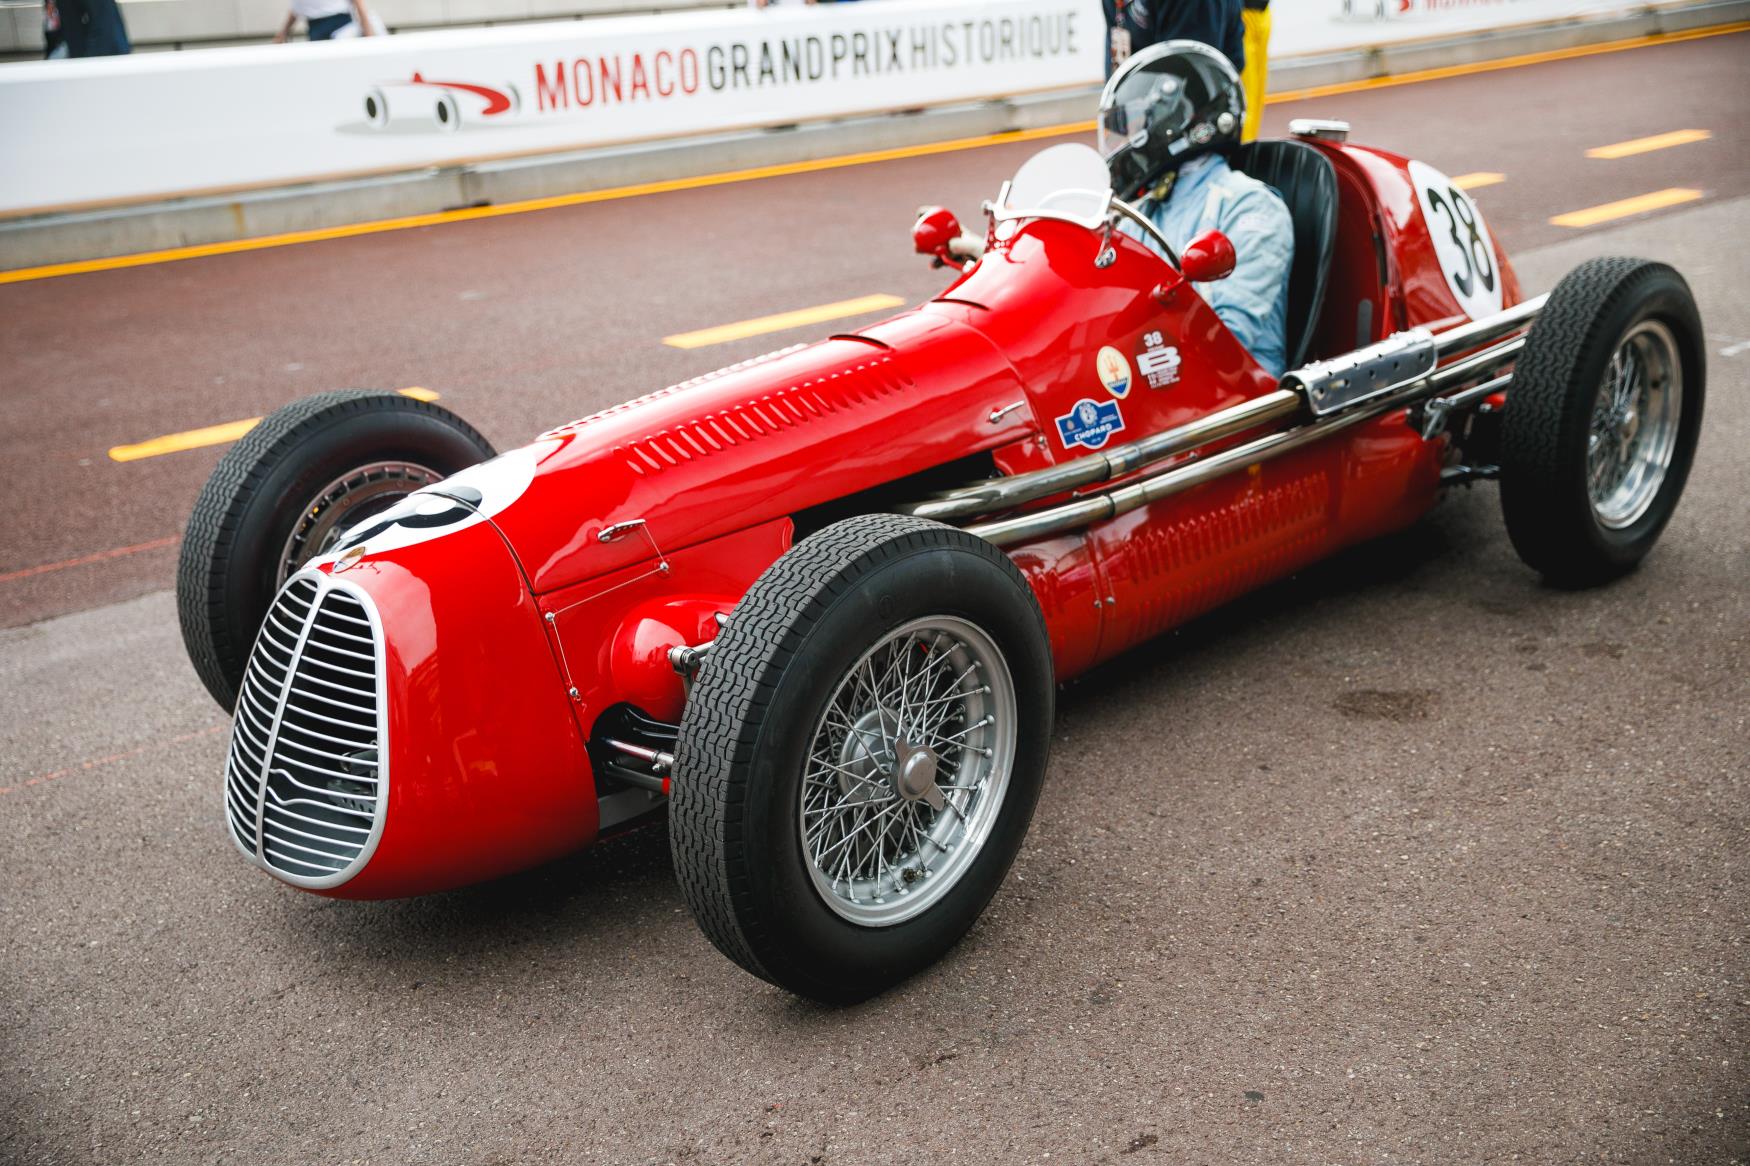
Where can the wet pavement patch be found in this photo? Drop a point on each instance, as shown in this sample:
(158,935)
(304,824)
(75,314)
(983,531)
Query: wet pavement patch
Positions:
(1373,704)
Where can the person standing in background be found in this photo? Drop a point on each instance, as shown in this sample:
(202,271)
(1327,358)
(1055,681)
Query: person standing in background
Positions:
(325,18)
(1252,73)
(92,28)
(1135,24)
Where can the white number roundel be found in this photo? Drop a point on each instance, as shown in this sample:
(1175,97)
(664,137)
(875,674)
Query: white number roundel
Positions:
(1461,241)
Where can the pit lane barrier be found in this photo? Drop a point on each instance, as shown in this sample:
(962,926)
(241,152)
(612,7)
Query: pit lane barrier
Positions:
(28,240)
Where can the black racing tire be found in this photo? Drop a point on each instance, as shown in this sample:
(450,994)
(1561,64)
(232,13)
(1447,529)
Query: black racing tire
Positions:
(234,552)
(745,734)
(1599,308)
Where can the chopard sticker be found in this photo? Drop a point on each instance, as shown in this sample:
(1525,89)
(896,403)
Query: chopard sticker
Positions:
(1114,371)
(1090,423)
(1158,362)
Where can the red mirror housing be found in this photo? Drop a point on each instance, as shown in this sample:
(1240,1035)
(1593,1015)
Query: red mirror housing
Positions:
(1207,258)
(935,228)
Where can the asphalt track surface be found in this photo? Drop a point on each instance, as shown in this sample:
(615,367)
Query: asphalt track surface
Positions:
(1408,859)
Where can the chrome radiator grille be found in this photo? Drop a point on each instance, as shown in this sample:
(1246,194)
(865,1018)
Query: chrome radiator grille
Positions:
(306,782)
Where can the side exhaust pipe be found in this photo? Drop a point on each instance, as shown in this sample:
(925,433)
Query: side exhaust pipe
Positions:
(1336,394)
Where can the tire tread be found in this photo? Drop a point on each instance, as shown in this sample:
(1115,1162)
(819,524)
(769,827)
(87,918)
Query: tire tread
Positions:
(202,568)
(723,718)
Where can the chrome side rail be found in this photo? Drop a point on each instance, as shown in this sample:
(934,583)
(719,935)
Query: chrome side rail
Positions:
(1003,493)
(1480,332)
(1098,508)
(1408,349)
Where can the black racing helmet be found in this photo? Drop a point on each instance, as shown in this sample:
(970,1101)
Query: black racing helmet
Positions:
(1164,106)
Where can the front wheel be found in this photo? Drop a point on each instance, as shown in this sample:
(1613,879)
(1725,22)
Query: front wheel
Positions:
(1602,419)
(860,756)
(285,493)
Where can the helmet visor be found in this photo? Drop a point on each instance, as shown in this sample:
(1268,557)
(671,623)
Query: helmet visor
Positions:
(1122,120)
(1148,100)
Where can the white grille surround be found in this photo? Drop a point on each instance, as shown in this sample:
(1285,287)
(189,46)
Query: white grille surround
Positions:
(307,776)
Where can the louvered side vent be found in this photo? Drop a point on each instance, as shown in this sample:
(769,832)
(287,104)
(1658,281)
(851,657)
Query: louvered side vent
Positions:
(305,782)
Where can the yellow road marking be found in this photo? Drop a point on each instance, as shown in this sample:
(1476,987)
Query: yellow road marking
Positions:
(466,214)
(1479,179)
(1623,208)
(1647,145)
(742,329)
(214,434)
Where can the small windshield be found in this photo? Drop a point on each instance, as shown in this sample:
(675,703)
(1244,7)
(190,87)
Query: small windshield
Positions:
(1068,181)
(1068,177)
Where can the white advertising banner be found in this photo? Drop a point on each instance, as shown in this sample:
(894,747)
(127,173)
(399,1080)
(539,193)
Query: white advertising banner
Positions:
(90,132)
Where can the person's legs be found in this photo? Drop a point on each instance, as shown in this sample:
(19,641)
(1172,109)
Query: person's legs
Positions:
(1257,64)
(324,27)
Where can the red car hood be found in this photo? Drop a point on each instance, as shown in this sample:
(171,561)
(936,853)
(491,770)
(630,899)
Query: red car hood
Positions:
(756,441)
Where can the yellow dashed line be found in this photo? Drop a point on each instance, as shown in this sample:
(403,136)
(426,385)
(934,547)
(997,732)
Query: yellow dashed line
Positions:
(1647,145)
(1479,179)
(214,434)
(724,333)
(1623,208)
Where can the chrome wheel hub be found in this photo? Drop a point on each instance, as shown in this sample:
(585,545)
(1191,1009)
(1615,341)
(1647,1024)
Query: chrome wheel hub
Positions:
(346,501)
(914,774)
(1634,424)
(907,769)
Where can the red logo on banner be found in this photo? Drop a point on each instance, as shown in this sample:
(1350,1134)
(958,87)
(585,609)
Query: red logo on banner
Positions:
(418,105)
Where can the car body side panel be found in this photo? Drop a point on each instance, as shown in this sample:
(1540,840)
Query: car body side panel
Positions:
(1045,302)
(1419,291)
(612,633)
(1173,560)
(486,773)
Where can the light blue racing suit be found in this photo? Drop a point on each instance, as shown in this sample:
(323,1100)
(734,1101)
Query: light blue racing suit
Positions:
(1253,301)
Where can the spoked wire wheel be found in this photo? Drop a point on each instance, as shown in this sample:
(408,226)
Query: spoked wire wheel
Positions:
(860,755)
(907,769)
(1634,425)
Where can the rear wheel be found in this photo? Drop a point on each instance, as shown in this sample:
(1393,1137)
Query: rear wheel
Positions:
(282,496)
(1602,419)
(860,755)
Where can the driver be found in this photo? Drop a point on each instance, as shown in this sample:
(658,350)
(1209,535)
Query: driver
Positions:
(1168,118)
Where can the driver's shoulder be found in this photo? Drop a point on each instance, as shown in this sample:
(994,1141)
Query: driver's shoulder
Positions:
(1238,185)
(1244,197)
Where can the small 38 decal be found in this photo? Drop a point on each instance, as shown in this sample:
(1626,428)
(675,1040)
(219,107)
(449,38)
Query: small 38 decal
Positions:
(1461,241)
(1158,361)
(1090,423)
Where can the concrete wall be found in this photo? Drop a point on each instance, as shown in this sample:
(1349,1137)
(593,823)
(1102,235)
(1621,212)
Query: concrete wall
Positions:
(170,24)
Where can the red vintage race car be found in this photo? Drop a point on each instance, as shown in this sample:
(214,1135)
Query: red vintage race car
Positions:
(815,606)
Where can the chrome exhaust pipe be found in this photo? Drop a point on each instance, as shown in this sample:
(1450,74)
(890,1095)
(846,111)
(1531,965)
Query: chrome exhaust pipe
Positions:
(1004,493)
(1169,481)
(1327,389)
